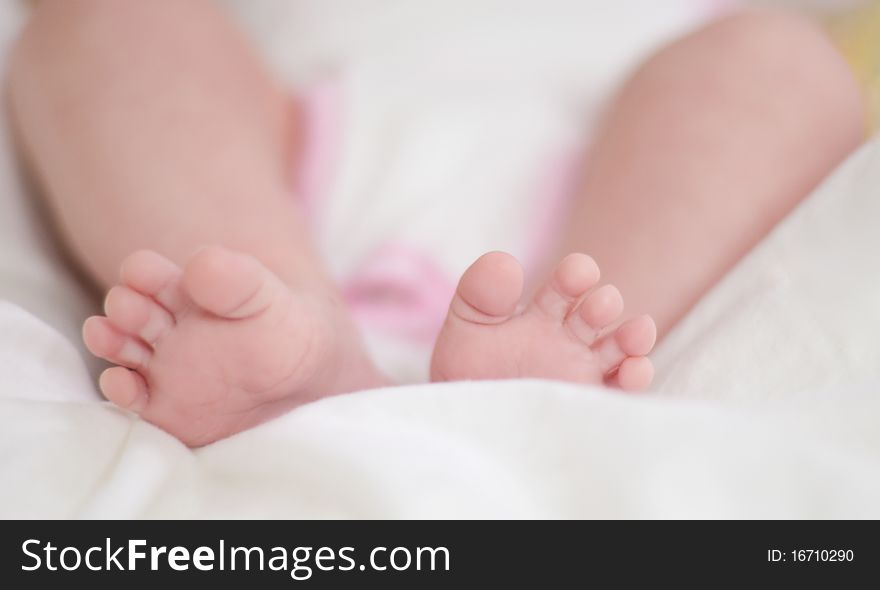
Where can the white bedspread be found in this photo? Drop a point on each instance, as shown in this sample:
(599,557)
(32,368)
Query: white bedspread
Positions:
(768,393)
(514,449)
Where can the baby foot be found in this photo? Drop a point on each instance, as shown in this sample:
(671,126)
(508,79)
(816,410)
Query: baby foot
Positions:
(221,345)
(564,333)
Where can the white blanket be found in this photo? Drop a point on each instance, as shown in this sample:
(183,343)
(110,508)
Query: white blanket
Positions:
(768,393)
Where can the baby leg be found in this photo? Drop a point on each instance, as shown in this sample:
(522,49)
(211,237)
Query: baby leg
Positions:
(709,144)
(153,127)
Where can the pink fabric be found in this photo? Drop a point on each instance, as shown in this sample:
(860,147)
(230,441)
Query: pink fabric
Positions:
(398,290)
(401,291)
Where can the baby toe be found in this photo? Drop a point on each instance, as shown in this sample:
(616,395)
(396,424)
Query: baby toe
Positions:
(635,373)
(229,284)
(597,311)
(637,336)
(125,388)
(155,276)
(574,275)
(633,338)
(134,313)
(103,339)
(489,290)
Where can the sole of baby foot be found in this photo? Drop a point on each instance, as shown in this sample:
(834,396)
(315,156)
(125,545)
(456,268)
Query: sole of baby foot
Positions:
(569,331)
(221,345)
